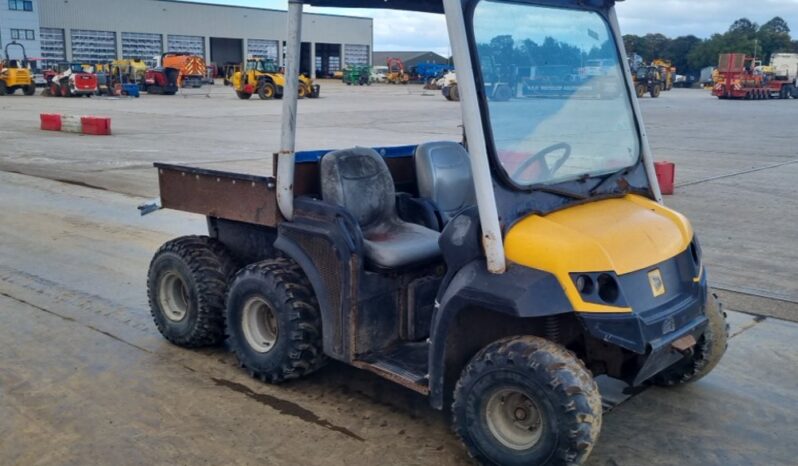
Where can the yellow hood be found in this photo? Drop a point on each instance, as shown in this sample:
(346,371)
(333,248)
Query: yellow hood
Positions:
(620,235)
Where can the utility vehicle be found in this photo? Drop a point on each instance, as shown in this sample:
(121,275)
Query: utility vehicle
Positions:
(497,277)
(648,79)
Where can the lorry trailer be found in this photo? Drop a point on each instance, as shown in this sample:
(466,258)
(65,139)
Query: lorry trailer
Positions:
(743,77)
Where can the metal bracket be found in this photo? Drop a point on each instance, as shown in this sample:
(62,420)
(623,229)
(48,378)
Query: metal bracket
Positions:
(150,206)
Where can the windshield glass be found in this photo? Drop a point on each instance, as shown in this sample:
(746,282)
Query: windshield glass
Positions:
(264,66)
(557,99)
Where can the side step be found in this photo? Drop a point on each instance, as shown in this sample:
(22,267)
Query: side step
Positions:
(405,364)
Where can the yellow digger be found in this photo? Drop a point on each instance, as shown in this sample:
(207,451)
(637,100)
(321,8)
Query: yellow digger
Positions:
(16,74)
(265,78)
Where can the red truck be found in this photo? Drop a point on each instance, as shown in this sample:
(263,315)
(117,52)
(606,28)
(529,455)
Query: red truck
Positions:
(743,77)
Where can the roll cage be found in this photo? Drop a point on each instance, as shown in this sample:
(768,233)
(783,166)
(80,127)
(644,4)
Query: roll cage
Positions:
(497,204)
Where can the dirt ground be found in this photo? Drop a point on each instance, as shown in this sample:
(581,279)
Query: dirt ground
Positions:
(86,379)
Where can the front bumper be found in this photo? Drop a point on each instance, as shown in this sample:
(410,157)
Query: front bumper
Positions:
(650,331)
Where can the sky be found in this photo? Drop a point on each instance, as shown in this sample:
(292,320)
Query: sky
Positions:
(416,31)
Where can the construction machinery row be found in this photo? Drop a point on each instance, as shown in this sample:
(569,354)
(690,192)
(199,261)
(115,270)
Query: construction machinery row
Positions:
(651,78)
(119,77)
(743,77)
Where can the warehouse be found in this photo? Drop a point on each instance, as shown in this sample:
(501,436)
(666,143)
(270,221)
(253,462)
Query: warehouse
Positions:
(91,31)
(410,59)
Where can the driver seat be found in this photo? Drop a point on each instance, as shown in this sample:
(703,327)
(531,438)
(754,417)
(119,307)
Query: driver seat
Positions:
(358,180)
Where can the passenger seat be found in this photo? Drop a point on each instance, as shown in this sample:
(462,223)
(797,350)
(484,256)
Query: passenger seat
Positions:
(443,170)
(358,180)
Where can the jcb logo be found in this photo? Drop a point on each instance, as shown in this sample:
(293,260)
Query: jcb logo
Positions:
(657,285)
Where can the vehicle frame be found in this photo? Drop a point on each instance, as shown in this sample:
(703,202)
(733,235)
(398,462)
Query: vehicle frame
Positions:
(429,324)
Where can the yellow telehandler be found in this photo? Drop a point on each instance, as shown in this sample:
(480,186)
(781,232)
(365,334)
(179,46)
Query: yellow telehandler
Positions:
(264,77)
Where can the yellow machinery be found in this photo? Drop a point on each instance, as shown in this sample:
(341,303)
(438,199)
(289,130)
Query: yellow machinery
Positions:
(668,72)
(396,72)
(265,78)
(132,69)
(15,74)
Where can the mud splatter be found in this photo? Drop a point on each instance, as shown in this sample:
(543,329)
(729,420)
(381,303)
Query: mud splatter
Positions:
(285,407)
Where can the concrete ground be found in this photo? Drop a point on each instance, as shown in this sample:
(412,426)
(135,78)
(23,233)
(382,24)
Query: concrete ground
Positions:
(86,379)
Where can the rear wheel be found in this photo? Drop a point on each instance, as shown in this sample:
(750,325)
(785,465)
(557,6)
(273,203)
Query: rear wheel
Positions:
(526,400)
(266,91)
(3,88)
(55,90)
(640,90)
(302,92)
(66,91)
(29,89)
(707,353)
(273,321)
(186,286)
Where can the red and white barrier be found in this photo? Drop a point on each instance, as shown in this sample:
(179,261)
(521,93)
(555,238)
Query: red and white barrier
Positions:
(93,125)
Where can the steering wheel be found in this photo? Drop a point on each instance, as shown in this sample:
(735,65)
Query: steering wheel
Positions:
(540,157)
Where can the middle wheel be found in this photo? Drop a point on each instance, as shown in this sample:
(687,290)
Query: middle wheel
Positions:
(273,321)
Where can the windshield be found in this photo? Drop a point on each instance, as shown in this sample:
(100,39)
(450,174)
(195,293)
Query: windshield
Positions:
(557,98)
(264,66)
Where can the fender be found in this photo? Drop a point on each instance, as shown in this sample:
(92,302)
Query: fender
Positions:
(521,292)
(332,267)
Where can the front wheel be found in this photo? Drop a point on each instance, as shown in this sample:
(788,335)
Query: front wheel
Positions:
(526,400)
(707,353)
(656,91)
(640,90)
(29,89)
(243,95)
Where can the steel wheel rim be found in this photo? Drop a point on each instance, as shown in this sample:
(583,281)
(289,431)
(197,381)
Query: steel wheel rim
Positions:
(259,323)
(173,297)
(514,419)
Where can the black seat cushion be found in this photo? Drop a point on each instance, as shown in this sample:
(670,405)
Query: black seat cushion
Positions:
(359,180)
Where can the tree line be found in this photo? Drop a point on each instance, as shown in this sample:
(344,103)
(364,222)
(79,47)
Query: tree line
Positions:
(689,54)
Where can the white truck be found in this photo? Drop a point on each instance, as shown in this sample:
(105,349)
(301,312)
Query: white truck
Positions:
(785,68)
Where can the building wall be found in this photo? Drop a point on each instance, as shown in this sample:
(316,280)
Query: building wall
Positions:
(22,20)
(166,17)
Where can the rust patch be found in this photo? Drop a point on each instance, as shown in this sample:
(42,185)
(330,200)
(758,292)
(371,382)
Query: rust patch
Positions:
(684,344)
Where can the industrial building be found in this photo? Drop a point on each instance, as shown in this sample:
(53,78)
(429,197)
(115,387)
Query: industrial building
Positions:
(410,59)
(90,31)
